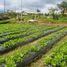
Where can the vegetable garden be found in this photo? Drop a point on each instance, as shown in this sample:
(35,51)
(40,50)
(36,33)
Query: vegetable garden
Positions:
(21,44)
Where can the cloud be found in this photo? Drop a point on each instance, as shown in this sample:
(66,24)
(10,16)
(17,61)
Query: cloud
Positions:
(30,5)
(1,6)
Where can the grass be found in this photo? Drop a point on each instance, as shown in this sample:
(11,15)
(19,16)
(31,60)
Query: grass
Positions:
(60,20)
(41,18)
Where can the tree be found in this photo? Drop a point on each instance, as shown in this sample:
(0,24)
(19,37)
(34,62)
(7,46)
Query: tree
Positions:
(63,7)
(11,13)
(38,13)
(38,10)
(52,12)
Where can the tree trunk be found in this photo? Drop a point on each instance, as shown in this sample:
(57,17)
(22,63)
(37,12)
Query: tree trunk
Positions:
(63,12)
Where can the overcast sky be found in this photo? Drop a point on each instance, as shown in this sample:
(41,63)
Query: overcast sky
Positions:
(29,5)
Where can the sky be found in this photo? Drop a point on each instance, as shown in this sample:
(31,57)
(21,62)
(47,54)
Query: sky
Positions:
(29,5)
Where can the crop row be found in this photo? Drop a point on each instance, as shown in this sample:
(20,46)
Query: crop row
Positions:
(7,28)
(22,34)
(30,30)
(12,44)
(8,34)
(58,56)
(16,32)
(34,54)
(11,28)
(32,49)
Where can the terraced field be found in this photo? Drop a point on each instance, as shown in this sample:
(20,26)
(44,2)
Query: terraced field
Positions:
(21,44)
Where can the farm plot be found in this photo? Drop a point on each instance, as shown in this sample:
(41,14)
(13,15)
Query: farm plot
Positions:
(11,42)
(10,29)
(58,56)
(20,56)
(44,45)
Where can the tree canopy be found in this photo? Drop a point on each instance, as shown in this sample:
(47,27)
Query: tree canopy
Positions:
(63,6)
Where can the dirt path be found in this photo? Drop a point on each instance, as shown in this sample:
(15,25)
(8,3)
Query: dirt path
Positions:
(38,63)
(53,24)
(56,24)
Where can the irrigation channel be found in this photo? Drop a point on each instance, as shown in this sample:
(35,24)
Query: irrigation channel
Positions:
(4,50)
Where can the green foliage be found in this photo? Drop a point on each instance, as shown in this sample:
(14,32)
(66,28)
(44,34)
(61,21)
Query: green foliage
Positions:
(63,7)
(58,56)
(61,19)
(18,55)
